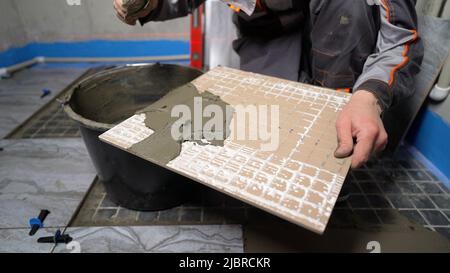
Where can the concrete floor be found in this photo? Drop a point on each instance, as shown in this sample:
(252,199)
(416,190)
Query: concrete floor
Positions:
(55,174)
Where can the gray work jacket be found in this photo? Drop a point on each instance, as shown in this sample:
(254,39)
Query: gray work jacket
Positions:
(368,45)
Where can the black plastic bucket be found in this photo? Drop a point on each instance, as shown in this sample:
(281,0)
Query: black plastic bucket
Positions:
(105,99)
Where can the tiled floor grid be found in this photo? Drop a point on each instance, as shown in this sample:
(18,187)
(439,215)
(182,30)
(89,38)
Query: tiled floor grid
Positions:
(207,207)
(51,121)
(375,189)
(405,185)
(54,124)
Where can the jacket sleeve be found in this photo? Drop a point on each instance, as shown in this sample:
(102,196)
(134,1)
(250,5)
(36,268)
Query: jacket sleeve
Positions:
(389,72)
(170,9)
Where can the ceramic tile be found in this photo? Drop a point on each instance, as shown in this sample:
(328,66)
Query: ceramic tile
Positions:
(421,202)
(297,178)
(413,215)
(18,241)
(52,174)
(442,201)
(435,218)
(157,239)
(400,201)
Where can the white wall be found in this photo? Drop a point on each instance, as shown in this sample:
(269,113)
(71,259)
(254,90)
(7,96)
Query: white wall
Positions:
(24,21)
(12,32)
(54,20)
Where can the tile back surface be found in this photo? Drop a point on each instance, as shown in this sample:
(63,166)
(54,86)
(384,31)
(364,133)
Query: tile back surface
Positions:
(299,181)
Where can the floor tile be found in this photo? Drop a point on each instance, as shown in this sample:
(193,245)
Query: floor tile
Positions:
(127,214)
(366,217)
(170,215)
(353,187)
(435,217)
(369,187)
(430,188)
(361,175)
(391,164)
(388,216)
(342,218)
(442,201)
(148,216)
(409,187)
(407,164)
(378,201)
(342,205)
(221,238)
(447,213)
(419,175)
(431,175)
(400,201)
(18,241)
(106,214)
(21,94)
(358,201)
(421,202)
(389,187)
(444,188)
(381,175)
(191,215)
(234,216)
(414,216)
(214,215)
(444,231)
(52,174)
(108,203)
(400,175)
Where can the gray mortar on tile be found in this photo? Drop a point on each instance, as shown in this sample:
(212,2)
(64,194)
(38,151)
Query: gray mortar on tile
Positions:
(161,145)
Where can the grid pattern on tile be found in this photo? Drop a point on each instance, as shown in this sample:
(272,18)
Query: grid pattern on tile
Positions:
(299,180)
(295,189)
(51,121)
(402,184)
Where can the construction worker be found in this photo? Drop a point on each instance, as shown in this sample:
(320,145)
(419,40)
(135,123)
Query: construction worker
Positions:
(369,47)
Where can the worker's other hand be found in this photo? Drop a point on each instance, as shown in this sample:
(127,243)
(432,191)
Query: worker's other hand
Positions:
(129,11)
(360,120)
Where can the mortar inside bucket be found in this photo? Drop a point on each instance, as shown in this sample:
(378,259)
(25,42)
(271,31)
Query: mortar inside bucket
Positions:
(105,99)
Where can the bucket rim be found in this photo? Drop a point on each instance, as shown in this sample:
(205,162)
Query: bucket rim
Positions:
(100,126)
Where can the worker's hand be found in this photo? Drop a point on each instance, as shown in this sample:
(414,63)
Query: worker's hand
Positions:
(129,11)
(360,120)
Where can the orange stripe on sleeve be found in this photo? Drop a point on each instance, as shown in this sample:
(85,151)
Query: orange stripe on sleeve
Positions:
(405,51)
(388,13)
(405,60)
